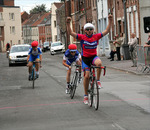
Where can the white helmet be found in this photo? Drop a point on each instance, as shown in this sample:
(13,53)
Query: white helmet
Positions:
(88,25)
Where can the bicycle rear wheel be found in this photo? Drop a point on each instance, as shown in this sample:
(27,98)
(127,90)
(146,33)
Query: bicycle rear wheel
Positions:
(33,77)
(73,86)
(90,93)
(96,95)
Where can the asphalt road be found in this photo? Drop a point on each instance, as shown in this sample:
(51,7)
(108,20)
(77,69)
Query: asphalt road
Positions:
(124,100)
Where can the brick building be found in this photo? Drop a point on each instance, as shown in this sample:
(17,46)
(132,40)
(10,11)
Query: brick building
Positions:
(24,16)
(117,9)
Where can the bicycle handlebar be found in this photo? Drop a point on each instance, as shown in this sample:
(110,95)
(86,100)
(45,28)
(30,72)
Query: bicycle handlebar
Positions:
(100,67)
(78,65)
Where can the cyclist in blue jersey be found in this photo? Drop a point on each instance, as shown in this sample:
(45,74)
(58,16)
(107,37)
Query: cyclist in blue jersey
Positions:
(71,55)
(35,54)
(89,42)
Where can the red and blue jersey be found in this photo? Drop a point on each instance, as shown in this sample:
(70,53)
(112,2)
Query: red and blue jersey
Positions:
(89,44)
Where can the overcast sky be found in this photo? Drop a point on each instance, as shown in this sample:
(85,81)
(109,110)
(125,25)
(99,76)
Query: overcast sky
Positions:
(27,5)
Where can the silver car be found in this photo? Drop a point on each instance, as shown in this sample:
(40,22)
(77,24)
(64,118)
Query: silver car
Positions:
(18,54)
(57,47)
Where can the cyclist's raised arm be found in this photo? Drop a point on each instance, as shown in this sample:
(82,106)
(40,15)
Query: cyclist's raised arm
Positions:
(108,26)
(69,28)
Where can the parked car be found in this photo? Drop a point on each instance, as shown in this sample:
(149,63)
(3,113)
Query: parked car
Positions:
(57,47)
(46,46)
(18,54)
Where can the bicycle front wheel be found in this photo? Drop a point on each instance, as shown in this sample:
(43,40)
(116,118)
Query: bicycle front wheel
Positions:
(73,86)
(90,93)
(96,95)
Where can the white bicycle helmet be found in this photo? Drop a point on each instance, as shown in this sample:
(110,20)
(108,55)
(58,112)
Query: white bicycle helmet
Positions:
(88,25)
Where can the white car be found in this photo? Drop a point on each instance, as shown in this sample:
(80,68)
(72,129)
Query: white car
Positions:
(18,54)
(57,47)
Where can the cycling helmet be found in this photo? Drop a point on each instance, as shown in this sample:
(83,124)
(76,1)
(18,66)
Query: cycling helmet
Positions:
(72,47)
(88,25)
(34,44)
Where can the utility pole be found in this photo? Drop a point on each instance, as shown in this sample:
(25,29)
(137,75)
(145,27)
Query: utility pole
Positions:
(103,41)
(125,46)
(66,38)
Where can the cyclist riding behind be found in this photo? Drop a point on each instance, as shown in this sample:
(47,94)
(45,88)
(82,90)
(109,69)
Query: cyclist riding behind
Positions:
(35,54)
(89,42)
(71,55)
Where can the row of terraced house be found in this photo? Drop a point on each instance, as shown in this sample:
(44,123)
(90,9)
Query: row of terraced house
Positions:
(51,26)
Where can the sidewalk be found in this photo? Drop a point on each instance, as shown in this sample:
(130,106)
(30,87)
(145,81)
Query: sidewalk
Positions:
(123,65)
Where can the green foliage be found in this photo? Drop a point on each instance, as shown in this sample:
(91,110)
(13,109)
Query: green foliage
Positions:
(38,9)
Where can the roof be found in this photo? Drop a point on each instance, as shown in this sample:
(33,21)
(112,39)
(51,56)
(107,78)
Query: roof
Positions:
(41,19)
(32,19)
(22,13)
(46,20)
(58,5)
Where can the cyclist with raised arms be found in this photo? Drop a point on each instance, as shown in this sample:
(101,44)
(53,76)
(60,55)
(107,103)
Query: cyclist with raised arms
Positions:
(35,54)
(71,55)
(89,42)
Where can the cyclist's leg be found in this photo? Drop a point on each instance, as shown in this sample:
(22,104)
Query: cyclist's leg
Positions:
(86,77)
(30,64)
(37,65)
(68,75)
(97,62)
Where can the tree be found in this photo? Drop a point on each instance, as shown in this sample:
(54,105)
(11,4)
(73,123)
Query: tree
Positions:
(38,9)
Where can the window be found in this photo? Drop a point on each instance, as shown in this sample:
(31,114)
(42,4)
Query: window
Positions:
(11,16)
(12,30)
(119,26)
(118,4)
(54,23)
(1,16)
(0,31)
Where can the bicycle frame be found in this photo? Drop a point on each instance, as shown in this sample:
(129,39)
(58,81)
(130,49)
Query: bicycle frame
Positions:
(93,90)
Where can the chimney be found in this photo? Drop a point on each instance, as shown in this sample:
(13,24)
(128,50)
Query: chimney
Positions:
(8,2)
(1,2)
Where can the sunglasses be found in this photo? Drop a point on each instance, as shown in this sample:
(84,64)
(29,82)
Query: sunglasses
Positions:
(89,29)
(72,51)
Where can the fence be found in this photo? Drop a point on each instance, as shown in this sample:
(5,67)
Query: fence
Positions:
(143,59)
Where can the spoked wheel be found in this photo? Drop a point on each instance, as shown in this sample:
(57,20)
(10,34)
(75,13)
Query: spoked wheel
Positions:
(90,94)
(96,96)
(73,86)
(33,78)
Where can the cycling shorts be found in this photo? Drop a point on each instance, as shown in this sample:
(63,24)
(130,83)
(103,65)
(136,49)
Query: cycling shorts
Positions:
(33,58)
(88,61)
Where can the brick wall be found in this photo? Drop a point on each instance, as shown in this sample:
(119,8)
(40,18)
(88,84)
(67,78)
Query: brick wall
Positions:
(9,2)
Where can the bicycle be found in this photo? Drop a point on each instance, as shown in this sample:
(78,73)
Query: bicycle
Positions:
(74,81)
(93,90)
(33,76)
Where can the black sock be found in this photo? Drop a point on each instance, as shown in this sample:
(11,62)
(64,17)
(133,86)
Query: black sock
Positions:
(68,83)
